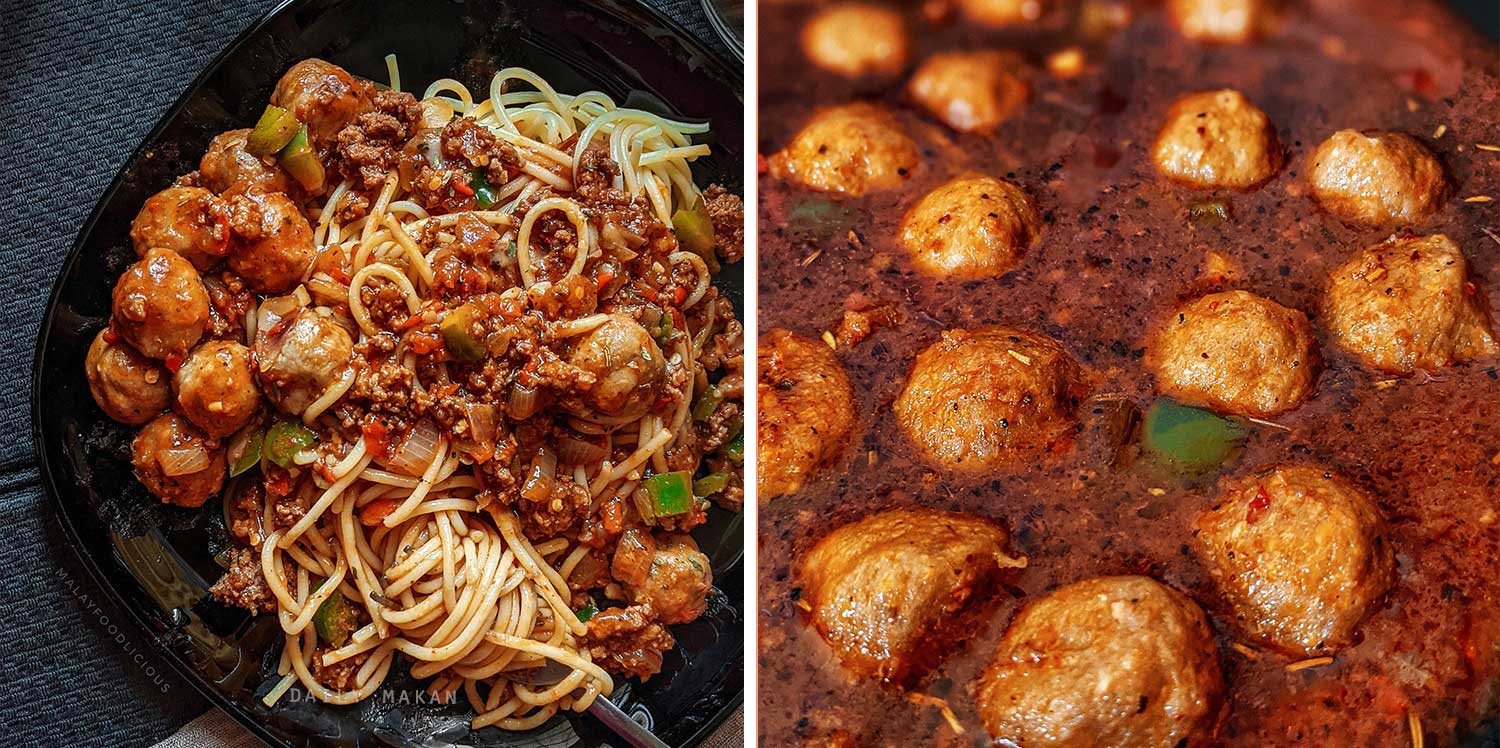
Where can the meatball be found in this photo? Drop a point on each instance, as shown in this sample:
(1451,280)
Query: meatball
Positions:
(978,399)
(128,387)
(176,462)
(190,221)
(1117,661)
(855,39)
(1237,353)
(670,574)
(1300,555)
(1223,21)
(628,367)
(275,246)
(806,411)
(1217,139)
(888,591)
(971,227)
(996,13)
(1409,304)
(216,389)
(160,305)
(1376,178)
(969,91)
(853,149)
(227,168)
(298,360)
(323,96)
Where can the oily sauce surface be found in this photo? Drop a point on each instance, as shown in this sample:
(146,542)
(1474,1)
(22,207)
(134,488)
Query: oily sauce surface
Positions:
(1116,252)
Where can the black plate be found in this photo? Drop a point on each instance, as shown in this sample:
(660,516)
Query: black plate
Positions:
(157,562)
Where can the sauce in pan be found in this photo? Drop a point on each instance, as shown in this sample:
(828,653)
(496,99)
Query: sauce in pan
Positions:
(1119,249)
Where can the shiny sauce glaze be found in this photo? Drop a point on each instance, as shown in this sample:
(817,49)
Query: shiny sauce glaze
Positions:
(1117,252)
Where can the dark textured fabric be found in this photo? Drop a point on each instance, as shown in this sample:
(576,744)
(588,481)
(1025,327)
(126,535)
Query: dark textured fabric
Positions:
(80,85)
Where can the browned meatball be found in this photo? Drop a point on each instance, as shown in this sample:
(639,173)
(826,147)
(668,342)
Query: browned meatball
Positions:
(1237,353)
(1223,21)
(978,399)
(887,591)
(275,246)
(1409,304)
(996,13)
(216,388)
(806,411)
(227,168)
(128,387)
(176,462)
(323,96)
(853,149)
(668,574)
(971,227)
(627,364)
(190,221)
(302,359)
(1300,554)
(854,39)
(1112,661)
(1376,178)
(160,305)
(1217,139)
(969,91)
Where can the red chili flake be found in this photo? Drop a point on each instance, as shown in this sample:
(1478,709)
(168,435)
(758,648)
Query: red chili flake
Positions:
(679,295)
(376,437)
(414,320)
(612,515)
(423,343)
(174,362)
(603,280)
(461,187)
(110,336)
(375,512)
(339,274)
(1258,505)
(1470,289)
(280,484)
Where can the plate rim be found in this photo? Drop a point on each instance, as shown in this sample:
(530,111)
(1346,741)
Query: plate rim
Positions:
(695,46)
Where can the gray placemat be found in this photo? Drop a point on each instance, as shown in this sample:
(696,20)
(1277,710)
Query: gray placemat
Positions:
(80,85)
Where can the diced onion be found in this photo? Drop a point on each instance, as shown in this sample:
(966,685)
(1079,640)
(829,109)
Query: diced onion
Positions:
(417,450)
(539,481)
(523,402)
(183,461)
(482,423)
(435,114)
(272,310)
(576,450)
